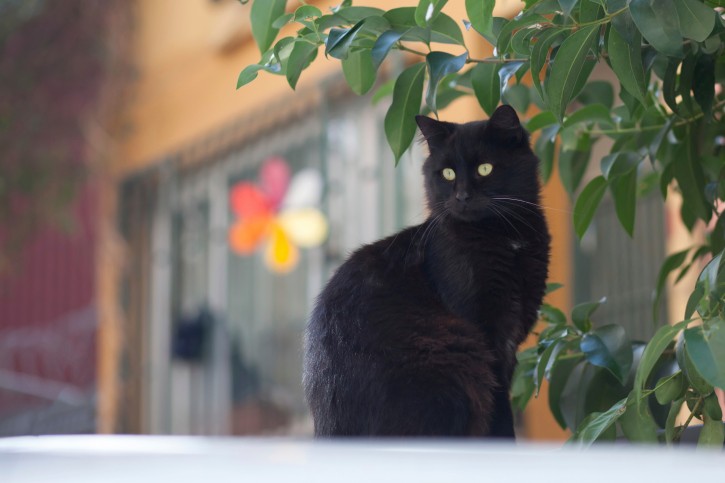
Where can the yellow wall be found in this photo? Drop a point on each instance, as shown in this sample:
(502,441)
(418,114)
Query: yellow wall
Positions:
(186,88)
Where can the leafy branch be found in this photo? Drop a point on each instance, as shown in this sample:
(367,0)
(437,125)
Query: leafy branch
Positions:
(668,106)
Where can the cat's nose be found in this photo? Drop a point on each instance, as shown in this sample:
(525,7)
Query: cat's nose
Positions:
(462,195)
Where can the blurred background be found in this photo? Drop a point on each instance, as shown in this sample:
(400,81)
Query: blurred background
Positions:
(132,298)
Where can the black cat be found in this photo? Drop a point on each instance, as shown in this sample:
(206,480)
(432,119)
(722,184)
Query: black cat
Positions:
(416,334)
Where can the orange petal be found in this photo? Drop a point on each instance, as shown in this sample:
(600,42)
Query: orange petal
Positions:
(245,235)
(281,255)
(248,201)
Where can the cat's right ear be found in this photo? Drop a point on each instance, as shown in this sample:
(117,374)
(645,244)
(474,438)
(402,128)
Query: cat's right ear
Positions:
(434,132)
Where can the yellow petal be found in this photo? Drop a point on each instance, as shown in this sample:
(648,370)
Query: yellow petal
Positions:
(306,227)
(280,255)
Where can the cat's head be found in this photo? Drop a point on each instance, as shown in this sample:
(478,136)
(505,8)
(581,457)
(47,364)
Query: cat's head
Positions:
(473,167)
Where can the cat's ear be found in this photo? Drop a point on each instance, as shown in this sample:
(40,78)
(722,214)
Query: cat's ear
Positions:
(435,132)
(507,125)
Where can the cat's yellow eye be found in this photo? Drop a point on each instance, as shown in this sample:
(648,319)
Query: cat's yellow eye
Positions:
(485,169)
(449,174)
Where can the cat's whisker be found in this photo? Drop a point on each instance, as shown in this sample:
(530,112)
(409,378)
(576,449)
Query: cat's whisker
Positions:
(524,207)
(430,229)
(427,228)
(502,215)
(533,204)
(520,218)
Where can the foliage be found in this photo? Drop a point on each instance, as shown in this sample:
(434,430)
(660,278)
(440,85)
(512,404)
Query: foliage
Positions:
(665,131)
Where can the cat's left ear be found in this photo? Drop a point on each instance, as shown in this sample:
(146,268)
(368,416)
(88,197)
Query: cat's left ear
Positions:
(507,125)
(435,132)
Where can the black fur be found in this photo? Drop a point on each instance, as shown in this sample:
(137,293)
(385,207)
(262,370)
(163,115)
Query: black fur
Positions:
(416,334)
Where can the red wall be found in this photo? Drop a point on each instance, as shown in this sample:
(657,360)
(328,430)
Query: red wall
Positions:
(47,314)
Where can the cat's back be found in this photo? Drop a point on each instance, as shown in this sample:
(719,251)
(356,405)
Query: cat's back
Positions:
(374,272)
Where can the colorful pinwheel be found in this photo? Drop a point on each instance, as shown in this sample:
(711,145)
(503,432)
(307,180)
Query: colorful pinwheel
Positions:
(278,214)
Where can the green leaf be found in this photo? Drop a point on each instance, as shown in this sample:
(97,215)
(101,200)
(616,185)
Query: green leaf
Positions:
(359,71)
(624,192)
(672,419)
(712,433)
(610,348)
(339,40)
(593,427)
(573,164)
(517,96)
(706,348)
(383,45)
(670,388)
(619,164)
(552,315)
(694,299)
(522,385)
(545,148)
(523,22)
(669,85)
(539,54)
(553,287)
(427,11)
(626,61)
(541,120)
(567,6)
(637,422)
(590,10)
(624,24)
(263,15)
(521,41)
(652,352)
(440,64)
(283,20)
(352,15)
(570,68)
(591,113)
(558,378)
(712,274)
(445,30)
(581,314)
(711,407)
(671,263)
(400,118)
(302,54)
(696,20)
(307,11)
(480,14)
(597,92)
(587,203)
(684,87)
(486,85)
(546,360)
(688,171)
(659,24)
(684,360)
(383,91)
(703,85)
(248,74)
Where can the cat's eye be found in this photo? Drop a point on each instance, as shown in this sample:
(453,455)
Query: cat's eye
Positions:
(485,169)
(449,174)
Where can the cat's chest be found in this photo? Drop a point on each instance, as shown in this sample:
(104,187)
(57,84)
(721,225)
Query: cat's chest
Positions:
(471,277)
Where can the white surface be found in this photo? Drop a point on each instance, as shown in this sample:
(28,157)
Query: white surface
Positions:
(138,459)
